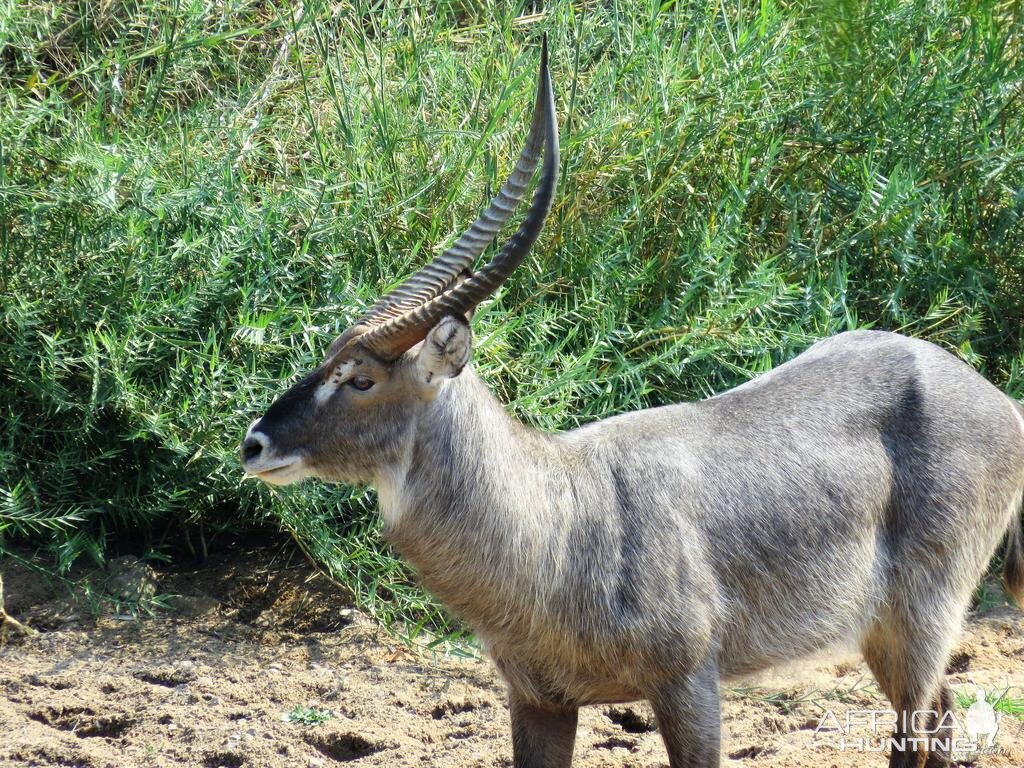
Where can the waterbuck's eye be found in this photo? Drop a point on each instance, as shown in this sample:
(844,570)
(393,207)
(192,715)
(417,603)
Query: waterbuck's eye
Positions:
(362,383)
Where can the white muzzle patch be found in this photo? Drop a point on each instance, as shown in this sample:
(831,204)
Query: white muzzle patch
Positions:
(268,465)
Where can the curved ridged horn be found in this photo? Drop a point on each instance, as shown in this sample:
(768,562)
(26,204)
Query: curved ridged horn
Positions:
(391,338)
(440,273)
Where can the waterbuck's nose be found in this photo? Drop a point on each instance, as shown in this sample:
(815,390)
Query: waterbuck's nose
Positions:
(252,447)
(254,443)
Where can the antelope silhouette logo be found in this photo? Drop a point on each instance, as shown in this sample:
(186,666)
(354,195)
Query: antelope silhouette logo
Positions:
(981,723)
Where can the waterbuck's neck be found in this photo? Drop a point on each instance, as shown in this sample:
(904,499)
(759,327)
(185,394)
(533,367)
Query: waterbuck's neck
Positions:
(469,504)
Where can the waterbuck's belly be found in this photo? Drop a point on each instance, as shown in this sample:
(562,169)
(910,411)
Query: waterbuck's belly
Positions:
(614,657)
(571,682)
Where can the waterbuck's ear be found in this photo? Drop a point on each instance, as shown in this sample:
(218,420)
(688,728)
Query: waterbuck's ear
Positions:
(445,351)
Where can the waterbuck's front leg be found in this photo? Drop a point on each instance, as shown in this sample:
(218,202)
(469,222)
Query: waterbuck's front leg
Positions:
(687,711)
(542,737)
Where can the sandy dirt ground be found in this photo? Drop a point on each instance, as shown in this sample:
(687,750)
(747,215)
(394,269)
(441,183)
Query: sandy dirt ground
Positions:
(259,646)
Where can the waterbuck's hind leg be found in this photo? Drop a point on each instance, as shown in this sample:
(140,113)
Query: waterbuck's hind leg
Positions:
(542,737)
(687,711)
(907,655)
(943,728)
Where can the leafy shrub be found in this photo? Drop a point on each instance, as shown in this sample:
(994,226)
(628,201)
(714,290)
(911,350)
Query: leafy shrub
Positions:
(195,198)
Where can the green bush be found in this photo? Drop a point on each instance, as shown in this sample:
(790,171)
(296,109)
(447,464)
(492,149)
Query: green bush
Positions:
(194,198)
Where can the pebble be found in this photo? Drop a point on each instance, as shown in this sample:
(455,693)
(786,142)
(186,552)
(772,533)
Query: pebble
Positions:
(315,762)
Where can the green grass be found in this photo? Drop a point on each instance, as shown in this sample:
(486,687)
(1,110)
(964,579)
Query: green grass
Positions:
(195,198)
(792,700)
(1002,701)
(309,715)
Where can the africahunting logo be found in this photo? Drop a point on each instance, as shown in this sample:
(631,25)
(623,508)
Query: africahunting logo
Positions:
(970,734)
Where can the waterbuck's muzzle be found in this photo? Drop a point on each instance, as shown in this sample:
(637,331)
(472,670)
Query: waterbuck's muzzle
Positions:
(261,459)
(273,446)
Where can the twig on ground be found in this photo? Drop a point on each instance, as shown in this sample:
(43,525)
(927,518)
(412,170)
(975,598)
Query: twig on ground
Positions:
(7,622)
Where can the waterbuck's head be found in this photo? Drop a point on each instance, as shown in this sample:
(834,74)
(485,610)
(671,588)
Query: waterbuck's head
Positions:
(347,419)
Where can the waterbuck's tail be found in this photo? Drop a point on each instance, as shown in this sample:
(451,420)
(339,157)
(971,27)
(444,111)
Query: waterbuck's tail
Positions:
(1013,567)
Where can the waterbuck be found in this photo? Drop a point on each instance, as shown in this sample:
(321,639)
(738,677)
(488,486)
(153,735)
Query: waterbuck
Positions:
(852,495)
